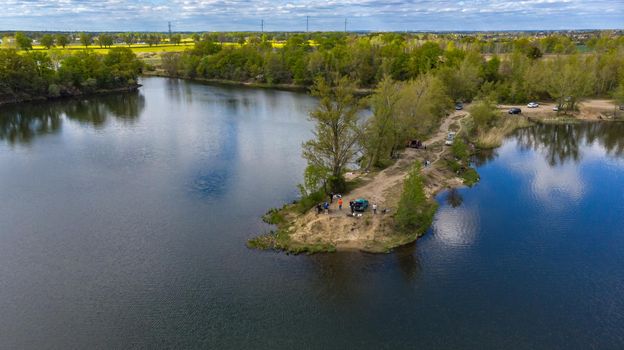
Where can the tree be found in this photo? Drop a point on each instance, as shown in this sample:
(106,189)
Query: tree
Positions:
(484,114)
(176,39)
(414,212)
(618,96)
(86,39)
(62,40)
(105,40)
(47,40)
(423,103)
(23,41)
(568,80)
(382,130)
(128,38)
(336,132)
(534,53)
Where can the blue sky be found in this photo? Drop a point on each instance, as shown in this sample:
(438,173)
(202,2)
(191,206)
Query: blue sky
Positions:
(375,15)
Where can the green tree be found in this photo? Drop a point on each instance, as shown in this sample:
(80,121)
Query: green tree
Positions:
(62,40)
(415,212)
(23,41)
(176,39)
(568,80)
(336,132)
(86,39)
(484,114)
(383,129)
(47,40)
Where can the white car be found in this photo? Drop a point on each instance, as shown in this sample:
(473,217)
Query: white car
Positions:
(533,105)
(449,139)
(556,109)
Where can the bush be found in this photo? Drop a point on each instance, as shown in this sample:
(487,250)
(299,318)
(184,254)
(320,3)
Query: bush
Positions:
(415,212)
(308,202)
(54,90)
(460,149)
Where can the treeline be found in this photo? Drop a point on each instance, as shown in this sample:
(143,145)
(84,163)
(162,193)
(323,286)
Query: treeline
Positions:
(105,40)
(37,75)
(524,74)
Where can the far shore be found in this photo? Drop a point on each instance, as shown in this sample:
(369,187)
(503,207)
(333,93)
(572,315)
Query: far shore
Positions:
(76,94)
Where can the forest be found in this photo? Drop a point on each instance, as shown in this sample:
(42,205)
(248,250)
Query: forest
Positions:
(38,75)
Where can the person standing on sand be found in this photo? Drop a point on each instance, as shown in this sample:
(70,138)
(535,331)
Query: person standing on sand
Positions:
(352,207)
(326,208)
(318,208)
(339,203)
(374,208)
(331,197)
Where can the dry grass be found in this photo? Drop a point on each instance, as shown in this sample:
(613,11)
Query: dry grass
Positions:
(494,137)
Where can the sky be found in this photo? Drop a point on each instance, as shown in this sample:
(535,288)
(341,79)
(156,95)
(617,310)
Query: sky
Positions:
(283,15)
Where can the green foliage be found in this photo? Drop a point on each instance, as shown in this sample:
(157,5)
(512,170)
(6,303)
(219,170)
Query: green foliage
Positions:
(415,212)
(484,114)
(32,74)
(336,132)
(274,217)
(47,41)
(23,42)
(61,40)
(460,149)
(86,39)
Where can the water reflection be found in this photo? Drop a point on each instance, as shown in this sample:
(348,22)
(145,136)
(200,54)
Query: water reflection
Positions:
(24,124)
(562,143)
(96,112)
(20,124)
(454,198)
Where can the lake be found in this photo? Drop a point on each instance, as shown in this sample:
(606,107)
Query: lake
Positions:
(124,218)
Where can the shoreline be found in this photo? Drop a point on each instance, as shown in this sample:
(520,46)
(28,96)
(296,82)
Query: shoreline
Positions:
(310,233)
(37,99)
(247,84)
(374,233)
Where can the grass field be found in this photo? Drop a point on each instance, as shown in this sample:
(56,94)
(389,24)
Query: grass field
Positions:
(138,48)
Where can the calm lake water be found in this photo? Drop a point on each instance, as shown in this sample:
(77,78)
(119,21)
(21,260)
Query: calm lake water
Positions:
(123,223)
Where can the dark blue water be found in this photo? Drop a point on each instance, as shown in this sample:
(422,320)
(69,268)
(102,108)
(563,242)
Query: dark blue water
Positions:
(123,221)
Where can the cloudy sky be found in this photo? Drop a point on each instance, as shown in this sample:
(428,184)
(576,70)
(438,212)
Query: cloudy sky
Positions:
(376,15)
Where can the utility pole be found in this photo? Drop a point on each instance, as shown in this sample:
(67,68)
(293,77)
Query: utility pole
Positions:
(169,32)
(262,26)
(307,24)
(345,25)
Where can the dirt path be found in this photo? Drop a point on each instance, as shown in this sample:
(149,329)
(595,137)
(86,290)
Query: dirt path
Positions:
(369,231)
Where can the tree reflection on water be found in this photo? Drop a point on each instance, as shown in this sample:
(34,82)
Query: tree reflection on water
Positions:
(20,124)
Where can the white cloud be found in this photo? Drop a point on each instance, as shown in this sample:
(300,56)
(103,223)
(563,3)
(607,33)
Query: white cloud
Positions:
(325,15)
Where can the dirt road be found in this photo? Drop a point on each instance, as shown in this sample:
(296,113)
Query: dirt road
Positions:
(370,231)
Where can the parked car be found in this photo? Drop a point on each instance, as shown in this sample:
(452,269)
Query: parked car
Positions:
(450,138)
(621,107)
(459,106)
(533,105)
(515,110)
(556,108)
(360,204)
(415,144)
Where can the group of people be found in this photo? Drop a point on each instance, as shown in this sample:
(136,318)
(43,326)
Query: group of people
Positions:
(320,207)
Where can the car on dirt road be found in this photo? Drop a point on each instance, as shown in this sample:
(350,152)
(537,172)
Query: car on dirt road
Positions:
(533,105)
(450,138)
(459,106)
(360,204)
(515,110)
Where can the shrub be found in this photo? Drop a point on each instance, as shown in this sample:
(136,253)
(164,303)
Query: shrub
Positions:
(415,212)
